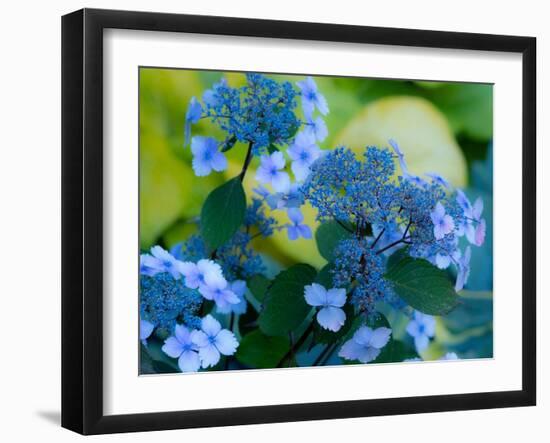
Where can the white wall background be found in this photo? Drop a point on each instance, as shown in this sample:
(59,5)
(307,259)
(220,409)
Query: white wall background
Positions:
(30,219)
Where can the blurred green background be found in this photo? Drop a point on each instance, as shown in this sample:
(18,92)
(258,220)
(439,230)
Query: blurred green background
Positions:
(442,127)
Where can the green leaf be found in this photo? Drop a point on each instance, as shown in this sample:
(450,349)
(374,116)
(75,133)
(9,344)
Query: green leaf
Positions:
(422,285)
(154,361)
(475,310)
(327,236)
(395,351)
(258,285)
(272,148)
(260,351)
(285,307)
(223,213)
(325,276)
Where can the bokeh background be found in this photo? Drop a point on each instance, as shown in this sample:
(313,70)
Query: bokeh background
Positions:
(441,127)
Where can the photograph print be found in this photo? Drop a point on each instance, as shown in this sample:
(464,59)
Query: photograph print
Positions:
(291,221)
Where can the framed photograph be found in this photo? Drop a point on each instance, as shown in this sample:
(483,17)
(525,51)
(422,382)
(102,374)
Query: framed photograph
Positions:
(269,221)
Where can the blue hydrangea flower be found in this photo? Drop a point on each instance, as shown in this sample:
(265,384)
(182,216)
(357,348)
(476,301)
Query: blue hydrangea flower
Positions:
(440,180)
(238,287)
(293,198)
(317,129)
(443,223)
(219,291)
(331,316)
(194,112)
(463,269)
(202,273)
(160,260)
(311,98)
(271,172)
(297,229)
(211,97)
(303,152)
(366,344)
(163,300)
(260,113)
(149,265)
(206,156)
(421,328)
(181,346)
(404,170)
(213,341)
(145,330)
(475,226)
(443,259)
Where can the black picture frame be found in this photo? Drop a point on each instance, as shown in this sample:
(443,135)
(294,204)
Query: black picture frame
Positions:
(82,220)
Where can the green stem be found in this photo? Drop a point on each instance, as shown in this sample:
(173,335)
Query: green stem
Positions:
(295,347)
(247,160)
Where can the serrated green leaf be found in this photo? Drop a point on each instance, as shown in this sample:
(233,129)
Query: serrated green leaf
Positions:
(327,236)
(258,285)
(223,213)
(324,277)
(285,307)
(422,285)
(260,351)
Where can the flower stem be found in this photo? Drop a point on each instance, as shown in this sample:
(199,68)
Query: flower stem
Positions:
(297,345)
(401,240)
(247,160)
(324,355)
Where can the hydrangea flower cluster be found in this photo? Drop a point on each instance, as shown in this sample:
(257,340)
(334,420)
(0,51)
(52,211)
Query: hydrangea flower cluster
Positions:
(201,347)
(172,290)
(427,216)
(260,113)
(379,209)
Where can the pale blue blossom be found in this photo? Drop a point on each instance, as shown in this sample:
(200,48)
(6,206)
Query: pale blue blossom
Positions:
(366,344)
(210,96)
(331,316)
(271,172)
(404,170)
(443,259)
(316,129)
(145,330)
(443,223)
(158,261)
(312,98)
(450,356)
(194,112)
(463,269)
(181,346)
(297,229)
(202,273)
(213,341)
(238,287)
(293,198)
(475,226)
(303,152)
(206,156)
(149,265)
(439,179)
(219,291)
(421,328)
